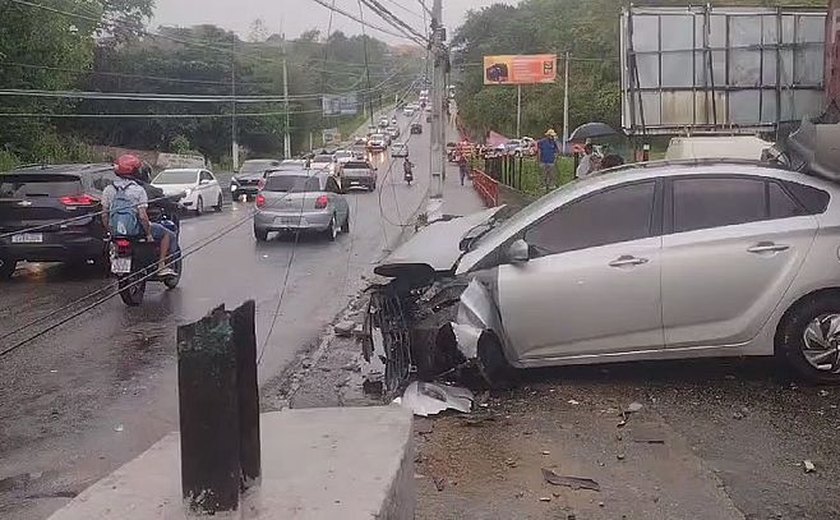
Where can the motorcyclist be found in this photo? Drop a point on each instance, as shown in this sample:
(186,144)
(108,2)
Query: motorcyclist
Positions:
(125,209)
(408,166)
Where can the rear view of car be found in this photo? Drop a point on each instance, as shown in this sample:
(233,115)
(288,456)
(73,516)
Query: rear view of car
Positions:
(416,128)
(51,214)
(300,201)
(399,150)
(358,174)
(246,182)
(377,143)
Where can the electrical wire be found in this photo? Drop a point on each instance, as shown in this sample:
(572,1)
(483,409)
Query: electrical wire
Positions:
(396,22)
(352,17)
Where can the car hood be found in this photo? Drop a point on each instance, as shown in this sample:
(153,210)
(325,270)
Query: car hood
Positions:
(436,247)
(174,189)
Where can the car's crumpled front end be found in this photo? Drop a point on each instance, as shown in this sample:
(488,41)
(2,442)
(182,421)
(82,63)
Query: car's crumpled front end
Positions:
(426,322)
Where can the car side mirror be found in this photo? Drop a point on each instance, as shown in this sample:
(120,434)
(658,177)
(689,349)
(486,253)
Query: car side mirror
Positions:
(203,182)
(519,252)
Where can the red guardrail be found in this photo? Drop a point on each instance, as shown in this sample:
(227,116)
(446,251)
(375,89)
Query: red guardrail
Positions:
(486,187)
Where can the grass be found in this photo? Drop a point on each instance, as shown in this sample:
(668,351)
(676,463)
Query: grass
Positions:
(529,180)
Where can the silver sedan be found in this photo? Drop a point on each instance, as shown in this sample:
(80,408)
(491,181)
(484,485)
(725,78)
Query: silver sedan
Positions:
(668,261)
(301,200)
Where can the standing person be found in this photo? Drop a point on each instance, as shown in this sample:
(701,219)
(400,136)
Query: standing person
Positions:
(463,166)
(587,162)
(547,150)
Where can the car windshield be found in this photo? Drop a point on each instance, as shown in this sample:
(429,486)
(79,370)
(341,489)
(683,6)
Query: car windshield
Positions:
(343,155)
(377,137)
(292,184)
(18,186)
(356,165)
(257,166)
(323,159)
(176,177)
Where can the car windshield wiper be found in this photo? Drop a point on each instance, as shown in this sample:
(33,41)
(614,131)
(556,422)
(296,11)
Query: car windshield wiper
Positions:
(474,234)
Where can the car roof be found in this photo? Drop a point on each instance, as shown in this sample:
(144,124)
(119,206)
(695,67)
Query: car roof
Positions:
(181,170)
(260,160)
(61,168)
(303,172)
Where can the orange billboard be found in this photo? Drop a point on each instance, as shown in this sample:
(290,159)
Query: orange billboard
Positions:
(520,70)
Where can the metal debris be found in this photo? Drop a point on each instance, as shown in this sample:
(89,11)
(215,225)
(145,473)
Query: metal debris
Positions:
(808,466)
(119,428)
(569,481)
(426,399)
(634,407)
(573,402)
(545,499)
(344,329)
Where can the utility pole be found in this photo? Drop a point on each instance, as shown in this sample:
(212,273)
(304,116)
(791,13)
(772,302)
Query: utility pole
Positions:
(438,129)
(234,145)
(566,104)
(518,111)
(287,138)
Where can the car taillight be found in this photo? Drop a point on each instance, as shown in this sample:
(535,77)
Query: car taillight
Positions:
(260,200)
(79,200)
(122,247)
(322,202)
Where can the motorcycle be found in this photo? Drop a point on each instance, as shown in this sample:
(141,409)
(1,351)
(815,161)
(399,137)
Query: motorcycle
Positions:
(134,260)
(408,175)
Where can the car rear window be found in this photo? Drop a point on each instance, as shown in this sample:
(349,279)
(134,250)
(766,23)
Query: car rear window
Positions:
(356,165)
(37,185)
(258,166)
(292,183)
(814,200)
(323,159)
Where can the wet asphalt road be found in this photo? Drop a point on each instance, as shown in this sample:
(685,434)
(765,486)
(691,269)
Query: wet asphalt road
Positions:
(86,397)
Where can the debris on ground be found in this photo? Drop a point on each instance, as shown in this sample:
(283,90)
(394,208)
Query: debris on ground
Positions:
(344,329)
(569,481)
(545,499)
(426,399)
(573,402)
(634,407)
(809,466)
(118,428)
(649,433)
(440,483)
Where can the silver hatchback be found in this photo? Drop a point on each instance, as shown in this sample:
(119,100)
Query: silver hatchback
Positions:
(708,259)
(301,200)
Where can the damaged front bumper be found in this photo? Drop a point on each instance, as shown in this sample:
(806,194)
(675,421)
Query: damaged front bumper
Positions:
(430,328)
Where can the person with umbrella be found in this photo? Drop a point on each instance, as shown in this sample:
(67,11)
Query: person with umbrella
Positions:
(587,163)
(547,151)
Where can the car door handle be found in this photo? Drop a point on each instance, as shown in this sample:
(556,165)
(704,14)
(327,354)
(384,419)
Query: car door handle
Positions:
(768,247)
(627,260)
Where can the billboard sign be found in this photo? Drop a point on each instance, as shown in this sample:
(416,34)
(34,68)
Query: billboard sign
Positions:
(520,70)
(703,69)
(330,136)
(340,105)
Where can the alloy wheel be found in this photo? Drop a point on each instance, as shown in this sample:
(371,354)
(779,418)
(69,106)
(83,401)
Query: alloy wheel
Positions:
(821,343)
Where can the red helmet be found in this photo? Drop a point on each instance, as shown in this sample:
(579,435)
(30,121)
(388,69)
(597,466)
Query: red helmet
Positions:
(128,166)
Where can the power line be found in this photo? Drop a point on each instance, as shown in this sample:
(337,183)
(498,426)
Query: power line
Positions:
(239,115)
(395,21)
(403,8)
(354,18)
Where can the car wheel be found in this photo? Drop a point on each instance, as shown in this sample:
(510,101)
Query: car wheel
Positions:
(492,365)
(199,206)
(7,268)
(332,230)
(260,234)
(345,228)
(218,207)
(808,338)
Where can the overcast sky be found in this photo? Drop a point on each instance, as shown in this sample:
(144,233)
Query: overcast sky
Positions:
(296,16)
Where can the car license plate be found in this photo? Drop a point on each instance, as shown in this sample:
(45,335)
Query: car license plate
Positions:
(28,238)
(121,265)
(287,221)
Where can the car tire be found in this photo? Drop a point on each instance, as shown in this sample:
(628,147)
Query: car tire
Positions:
(199,206)
(260,234)
(219,202)
(492,364)
(345,228)
(332,231)
(7,268)
(804,329)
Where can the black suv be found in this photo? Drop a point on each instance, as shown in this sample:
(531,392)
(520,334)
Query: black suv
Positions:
(51,214)
(247,180)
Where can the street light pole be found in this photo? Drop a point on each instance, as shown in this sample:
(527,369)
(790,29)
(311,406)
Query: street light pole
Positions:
(287,139)
(234,145)
(566,104)
(438,161)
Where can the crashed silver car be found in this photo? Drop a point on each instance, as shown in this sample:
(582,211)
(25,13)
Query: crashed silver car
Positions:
(662,261)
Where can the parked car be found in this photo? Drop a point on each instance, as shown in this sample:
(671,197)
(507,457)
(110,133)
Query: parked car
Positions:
(357,174)
(34,200)
(377,143)
(399,150)
(324,162)
(246,182)
(416,128)
(201,188)
(667,261)
(301,201)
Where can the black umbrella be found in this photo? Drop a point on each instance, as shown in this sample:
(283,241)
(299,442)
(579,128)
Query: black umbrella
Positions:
(592,131)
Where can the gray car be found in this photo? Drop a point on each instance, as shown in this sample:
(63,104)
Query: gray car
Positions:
(357,174)
(298,201)
(664,261)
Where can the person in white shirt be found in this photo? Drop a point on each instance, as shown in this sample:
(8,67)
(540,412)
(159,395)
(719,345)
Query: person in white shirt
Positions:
(587,162)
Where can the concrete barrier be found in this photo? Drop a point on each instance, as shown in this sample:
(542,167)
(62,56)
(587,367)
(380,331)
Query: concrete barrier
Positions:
(324,463)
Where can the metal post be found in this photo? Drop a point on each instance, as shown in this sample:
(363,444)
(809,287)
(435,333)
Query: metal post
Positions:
(518,111)
(438,161)
(287,138)
(245,343)
(566,104)
(234,146)
(209,414)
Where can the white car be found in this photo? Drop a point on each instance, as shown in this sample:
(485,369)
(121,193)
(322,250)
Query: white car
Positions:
(324,162)
(343,156)
(201,188)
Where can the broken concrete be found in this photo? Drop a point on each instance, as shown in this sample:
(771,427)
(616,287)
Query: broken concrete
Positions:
(317,464)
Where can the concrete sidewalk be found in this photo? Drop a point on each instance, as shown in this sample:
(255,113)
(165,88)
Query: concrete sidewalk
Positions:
(317,464)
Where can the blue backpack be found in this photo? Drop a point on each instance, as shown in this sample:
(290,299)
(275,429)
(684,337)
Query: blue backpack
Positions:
(123,214)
